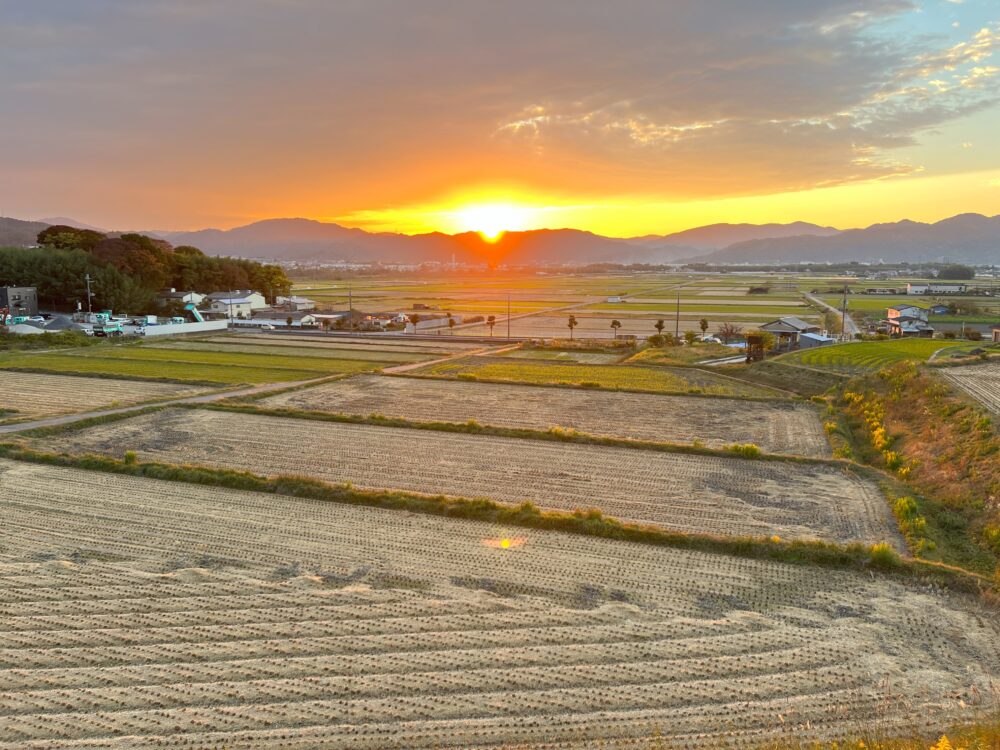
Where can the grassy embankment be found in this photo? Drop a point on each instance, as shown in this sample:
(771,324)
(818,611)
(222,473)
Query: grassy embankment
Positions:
(944,451)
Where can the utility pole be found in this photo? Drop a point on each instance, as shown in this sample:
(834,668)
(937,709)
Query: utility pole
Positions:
(843,316)
(508,316)
(677,318)
(89,293)
(350,310)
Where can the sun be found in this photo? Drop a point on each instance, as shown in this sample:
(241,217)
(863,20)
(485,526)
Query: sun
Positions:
(491,220)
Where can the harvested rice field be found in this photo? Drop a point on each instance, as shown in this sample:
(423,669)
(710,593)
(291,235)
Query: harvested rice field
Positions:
(719,495)
(982,382)
(32,394)
(653,379)
(147,614)
(775,426)
(376,343)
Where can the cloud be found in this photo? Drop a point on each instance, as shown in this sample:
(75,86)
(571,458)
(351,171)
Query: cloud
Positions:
(366,103)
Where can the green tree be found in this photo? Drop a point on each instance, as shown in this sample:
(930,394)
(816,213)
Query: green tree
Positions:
(451,324)
(956,271)
(660,325)
(615,325)
(415,318)
(491,321)
(690,337)
(571,324)
(703,325)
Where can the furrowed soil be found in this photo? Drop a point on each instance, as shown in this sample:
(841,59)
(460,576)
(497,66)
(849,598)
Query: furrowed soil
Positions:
(711,494)
(982,382)
(775,426)
(32,394)
(146,614)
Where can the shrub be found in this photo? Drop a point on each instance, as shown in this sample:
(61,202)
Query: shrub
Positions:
(883,556)
(130,457)
(746,450)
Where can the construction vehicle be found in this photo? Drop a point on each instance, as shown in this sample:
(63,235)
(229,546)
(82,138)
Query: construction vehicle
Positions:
(109,328)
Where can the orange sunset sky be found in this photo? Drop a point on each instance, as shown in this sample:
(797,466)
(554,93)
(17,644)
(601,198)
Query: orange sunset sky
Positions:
(623,118)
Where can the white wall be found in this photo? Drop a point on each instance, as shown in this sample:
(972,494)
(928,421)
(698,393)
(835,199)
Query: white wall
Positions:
(174,328)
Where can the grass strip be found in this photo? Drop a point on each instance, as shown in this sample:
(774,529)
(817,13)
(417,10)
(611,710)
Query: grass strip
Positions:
(118,376)
(856,557)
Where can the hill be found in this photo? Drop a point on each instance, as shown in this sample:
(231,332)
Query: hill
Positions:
(717,236)
(966,238)
(19,233)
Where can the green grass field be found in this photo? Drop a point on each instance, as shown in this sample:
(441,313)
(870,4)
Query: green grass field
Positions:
(615,377)
(867,356)
(194,364)
(289,352)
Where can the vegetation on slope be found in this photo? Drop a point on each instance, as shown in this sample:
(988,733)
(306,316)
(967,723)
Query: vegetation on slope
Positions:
(945,452)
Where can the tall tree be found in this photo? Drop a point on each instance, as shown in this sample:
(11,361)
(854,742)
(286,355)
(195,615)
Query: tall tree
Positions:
(571,324)
(615,325)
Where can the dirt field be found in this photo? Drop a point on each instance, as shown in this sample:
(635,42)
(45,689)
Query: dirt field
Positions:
(775,426)
(31,394)
(144,614)
(692,493)
(982,382)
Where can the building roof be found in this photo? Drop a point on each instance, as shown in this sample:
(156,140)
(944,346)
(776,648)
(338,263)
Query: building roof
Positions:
(816,337)
(177,295)
(233,294)
(906,307)
(790,324)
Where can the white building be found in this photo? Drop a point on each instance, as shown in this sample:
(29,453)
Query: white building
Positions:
(270,316)
(931,288)
(295,303)
(173,295)
(236,304)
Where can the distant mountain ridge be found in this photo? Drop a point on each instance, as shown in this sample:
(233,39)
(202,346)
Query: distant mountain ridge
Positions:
(969,238)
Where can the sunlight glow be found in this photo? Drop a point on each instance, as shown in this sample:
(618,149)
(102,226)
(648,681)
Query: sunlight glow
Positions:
(491,220)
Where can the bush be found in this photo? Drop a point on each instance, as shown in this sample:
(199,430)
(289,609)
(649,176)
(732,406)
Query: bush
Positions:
(130,457)
(746,450)
(883,556)
(973,335)
(658,340)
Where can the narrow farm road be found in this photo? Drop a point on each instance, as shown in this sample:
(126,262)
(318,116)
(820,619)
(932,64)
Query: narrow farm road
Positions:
(199,399)
(481,352)
(850,327)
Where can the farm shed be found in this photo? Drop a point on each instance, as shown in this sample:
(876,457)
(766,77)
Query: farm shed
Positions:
(996,334)
(809,340)
(276,317)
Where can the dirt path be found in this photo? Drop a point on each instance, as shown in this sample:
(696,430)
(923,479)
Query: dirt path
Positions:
(850,327)
(481,352)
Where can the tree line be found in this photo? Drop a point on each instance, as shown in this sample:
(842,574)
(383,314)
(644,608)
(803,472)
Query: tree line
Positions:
(127,272)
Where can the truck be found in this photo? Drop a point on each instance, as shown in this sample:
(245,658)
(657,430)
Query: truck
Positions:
(109,328)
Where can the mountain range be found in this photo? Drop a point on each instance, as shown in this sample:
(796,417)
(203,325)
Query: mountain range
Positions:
(969,238)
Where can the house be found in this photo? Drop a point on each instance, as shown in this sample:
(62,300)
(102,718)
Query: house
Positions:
(931,288)
(294,303)
(940,309)
(788,330)
(19,300)
(180,297)
(615,300)
(276,317)
(908,320)
(907,311)
(236,304)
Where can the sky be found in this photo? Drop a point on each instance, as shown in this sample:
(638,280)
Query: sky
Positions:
(624,118)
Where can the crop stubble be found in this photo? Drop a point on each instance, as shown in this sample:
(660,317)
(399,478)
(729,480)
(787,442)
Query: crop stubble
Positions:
(686,492)
(310,625)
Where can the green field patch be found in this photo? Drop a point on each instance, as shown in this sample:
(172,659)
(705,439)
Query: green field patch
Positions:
(285,353)
(615,377)
(555,355)
(868,356)
(682,355)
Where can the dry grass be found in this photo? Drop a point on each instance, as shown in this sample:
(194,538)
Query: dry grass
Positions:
(779,427)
